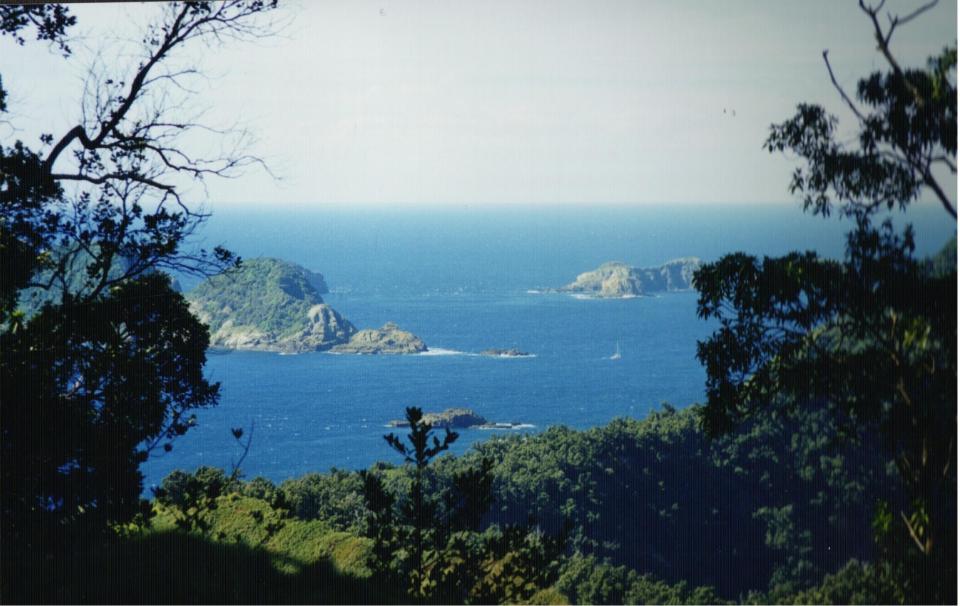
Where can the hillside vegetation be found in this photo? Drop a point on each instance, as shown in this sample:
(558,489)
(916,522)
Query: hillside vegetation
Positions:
(645,511)
(269,304)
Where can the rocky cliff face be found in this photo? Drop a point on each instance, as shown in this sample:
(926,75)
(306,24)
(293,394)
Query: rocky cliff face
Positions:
(323,329)
(387,340)
(612,280)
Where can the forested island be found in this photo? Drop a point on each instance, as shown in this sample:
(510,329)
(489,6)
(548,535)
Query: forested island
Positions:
(269,304)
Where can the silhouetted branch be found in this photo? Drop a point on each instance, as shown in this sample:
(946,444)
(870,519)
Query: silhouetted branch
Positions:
(883,39)
(238,436)
(839,88)
(143,142)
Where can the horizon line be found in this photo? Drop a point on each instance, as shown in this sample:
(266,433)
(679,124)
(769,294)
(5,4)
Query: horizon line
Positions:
(401,204)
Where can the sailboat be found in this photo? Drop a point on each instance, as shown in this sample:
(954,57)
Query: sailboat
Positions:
(616,355)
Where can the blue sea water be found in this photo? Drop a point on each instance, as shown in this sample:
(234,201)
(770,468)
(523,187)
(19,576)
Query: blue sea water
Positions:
(460,279)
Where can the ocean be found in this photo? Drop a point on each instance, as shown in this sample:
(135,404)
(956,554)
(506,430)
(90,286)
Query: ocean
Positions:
(465,279)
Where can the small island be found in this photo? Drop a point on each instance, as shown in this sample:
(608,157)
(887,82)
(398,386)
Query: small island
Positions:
(451,418)
(513,352)
(615,280)
(459,418)
(386,340)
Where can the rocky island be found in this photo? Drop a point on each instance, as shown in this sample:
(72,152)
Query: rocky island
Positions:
(619,280)
(451,418)
(458,418)
(273,305)
(386,340)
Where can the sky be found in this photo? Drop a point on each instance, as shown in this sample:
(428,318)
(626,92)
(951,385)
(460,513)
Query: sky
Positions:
(501,102)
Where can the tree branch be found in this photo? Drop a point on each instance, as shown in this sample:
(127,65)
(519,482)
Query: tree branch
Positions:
(117,115)
(883,40)
(913,534)
(839,88)
(914,14)
(930,182)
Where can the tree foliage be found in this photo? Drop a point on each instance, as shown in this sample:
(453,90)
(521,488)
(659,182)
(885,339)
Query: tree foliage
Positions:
(872,338)
(586,580)
(335,497)
(109,367)
(777,501)
(50,22)
(772,508)
(431,534)
(419,511)
(907,123)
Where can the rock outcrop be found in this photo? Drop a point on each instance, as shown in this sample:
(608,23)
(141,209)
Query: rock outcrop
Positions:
(619,280)
(460,418)
(389,339)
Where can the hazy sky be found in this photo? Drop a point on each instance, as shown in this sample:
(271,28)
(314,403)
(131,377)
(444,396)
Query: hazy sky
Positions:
(502,102)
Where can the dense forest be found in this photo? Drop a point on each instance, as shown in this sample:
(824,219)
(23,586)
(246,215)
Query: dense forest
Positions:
(819,468)
(638,511)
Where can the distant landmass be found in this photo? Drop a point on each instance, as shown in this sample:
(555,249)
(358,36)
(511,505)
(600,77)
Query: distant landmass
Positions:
(273,305)
(619,280)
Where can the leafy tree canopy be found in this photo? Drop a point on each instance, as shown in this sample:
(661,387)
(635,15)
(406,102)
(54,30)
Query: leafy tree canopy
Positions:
(871,338)
(109,367)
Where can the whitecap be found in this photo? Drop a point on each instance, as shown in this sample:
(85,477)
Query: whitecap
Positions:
(439,351)
(510,428)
